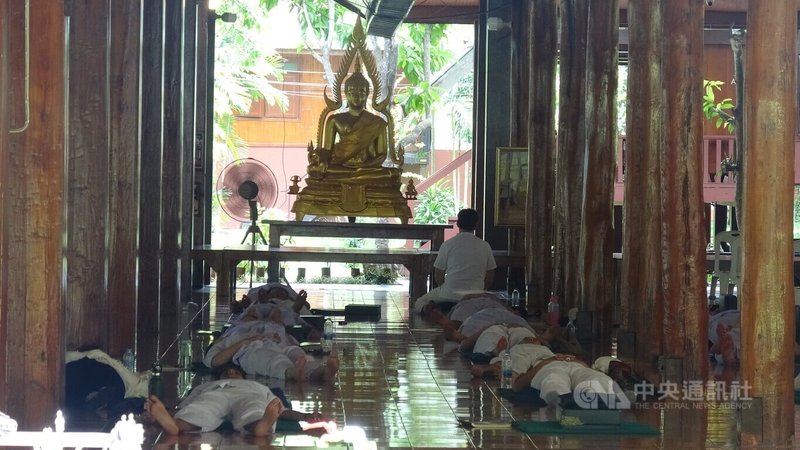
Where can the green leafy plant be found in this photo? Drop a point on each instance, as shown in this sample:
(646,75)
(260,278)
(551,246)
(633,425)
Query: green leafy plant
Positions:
(718,111)
(435,205)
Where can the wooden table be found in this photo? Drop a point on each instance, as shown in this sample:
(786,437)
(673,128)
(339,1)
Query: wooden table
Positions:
(278,228)
(225,259)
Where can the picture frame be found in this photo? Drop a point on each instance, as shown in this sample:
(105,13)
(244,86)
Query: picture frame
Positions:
(511,186)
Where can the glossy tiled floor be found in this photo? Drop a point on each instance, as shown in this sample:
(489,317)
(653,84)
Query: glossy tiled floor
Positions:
(407,388)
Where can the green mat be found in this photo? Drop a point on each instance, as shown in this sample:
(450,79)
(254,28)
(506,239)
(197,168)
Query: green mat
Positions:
(797,397)
(553,427)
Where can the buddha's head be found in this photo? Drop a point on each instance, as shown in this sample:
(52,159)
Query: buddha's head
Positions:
(356,89)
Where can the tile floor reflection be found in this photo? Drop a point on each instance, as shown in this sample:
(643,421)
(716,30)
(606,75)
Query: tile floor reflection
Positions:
(407,388)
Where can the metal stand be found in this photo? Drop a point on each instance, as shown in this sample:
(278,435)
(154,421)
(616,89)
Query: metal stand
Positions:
(254,231)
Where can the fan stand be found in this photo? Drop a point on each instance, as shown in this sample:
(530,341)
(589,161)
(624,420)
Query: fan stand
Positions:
(254,231)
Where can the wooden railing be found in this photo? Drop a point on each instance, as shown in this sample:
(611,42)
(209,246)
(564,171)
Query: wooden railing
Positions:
(717,186)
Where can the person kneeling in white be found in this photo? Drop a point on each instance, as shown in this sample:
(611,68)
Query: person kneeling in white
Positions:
(464,264)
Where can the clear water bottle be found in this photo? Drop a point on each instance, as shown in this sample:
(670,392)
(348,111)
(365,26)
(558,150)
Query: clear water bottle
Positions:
(129,360)
(515,299)
(614,341)
(553,311)
(156,385)
(506,371)
(328,335)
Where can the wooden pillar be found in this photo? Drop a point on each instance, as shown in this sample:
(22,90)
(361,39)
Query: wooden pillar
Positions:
(87,177)
(641,247)
(123,197)
(171,187)
(189,82)
(150,182)
(685,324)
(571,149)
(767,289)
(4,149)
(541,148)
(595,286)
(31,297)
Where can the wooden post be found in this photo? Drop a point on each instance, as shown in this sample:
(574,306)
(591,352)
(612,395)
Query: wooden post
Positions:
(767,299)
(685,324)
(541,148)
(31,302)
(641,246)
(123,198)
(571,149)
(4,158)
(595,286)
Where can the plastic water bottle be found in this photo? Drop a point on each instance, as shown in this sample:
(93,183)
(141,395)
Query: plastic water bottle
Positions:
(515,299)
(156,385)
(614,341)
(328,335)
(506,372)
(129,360)
(553,311)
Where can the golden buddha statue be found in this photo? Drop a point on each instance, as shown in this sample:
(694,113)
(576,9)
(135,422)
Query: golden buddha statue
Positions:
(347,172)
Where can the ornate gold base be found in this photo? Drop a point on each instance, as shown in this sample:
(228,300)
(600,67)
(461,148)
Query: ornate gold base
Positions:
(377,202)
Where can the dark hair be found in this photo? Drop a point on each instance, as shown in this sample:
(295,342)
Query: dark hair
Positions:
(467,219)
(225,367)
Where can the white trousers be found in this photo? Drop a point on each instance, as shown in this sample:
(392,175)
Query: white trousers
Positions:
(238,403)
(269,359)
(562,377)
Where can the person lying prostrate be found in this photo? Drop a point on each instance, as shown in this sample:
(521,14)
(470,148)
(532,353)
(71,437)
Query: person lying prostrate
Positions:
(251,407)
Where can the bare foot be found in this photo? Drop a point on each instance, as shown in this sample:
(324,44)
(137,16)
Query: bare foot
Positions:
(331,367)
(327,371)
(451,333)
(158,411)
(265,425)
(726,346)
(300,368)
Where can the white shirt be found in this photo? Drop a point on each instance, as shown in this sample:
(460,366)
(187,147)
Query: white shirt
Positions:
(465,258)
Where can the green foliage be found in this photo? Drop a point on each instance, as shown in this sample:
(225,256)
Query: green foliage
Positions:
(244,68)
(435,205)
(720,112)
(314,20)
(419,96)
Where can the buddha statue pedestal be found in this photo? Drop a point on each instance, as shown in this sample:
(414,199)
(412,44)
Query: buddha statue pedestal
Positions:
(350,198)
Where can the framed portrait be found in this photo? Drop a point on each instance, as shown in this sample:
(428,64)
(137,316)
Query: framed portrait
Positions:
(511,186)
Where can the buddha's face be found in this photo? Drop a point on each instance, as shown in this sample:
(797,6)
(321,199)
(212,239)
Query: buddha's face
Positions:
(356,96)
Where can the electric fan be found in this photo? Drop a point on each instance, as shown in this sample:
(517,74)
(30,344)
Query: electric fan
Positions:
(241,187)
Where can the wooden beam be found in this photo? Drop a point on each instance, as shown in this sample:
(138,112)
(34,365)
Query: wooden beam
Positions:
(767,289)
